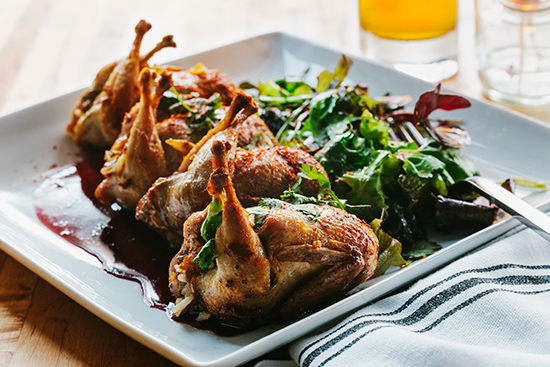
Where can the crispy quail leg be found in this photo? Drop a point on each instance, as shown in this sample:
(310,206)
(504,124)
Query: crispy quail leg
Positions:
(96,122)
(121,90)
(167,41)
(242,269)
(240,109)
(135,161)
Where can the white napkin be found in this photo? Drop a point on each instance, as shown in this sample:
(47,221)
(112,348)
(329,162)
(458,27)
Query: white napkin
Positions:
(490,308)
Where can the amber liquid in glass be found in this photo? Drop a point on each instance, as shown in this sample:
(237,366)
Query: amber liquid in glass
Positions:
(408,19)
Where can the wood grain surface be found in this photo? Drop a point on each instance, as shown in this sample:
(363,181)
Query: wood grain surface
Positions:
(51,47)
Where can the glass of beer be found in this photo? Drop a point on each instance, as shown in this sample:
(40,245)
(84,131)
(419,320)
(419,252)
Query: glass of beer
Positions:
(417,37)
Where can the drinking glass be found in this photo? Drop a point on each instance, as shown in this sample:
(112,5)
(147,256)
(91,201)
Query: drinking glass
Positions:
(415,36)
(513,50)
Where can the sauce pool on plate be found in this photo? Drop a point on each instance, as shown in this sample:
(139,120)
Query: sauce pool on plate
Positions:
(126,248)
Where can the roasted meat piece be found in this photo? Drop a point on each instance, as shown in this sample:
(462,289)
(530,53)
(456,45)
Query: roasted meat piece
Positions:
(136,159)
(266,262)
(144,150)
(98,115)
(258,173)
(205,82)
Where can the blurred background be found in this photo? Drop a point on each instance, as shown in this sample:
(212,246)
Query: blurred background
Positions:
(51,47)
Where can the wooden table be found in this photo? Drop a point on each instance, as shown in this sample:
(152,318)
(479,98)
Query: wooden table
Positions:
(51,47)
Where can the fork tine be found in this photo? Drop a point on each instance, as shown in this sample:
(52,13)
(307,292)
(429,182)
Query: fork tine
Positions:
(405,131)
(393,135)
(413,131)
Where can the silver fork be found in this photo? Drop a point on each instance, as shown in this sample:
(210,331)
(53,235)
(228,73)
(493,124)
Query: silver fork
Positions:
(504,199)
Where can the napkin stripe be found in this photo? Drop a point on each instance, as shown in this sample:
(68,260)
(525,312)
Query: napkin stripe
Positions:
(421,292)
(435,323)
(431,305)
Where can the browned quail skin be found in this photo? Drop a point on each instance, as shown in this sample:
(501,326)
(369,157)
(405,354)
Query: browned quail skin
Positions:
(259,173)
(279,268)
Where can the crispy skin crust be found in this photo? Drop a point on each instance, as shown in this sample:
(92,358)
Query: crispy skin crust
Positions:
(205,82)
(282,269)
(266,172)
(269,172)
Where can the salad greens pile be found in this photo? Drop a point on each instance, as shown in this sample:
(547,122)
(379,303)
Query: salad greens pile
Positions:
(403,189)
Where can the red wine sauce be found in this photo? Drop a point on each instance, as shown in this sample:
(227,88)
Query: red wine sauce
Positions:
(127,248)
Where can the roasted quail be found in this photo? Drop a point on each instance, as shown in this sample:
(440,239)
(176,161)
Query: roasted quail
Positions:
(144,150)
(277,262)
(258,173)
(205,82)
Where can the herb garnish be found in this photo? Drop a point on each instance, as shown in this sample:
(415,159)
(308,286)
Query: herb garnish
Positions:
(207,254)
(200,113)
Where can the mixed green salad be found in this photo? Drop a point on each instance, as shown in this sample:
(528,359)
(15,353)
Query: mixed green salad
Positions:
(403,189)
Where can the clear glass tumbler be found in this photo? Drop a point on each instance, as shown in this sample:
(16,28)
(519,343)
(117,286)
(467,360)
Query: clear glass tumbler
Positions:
(415,36)
(513,50)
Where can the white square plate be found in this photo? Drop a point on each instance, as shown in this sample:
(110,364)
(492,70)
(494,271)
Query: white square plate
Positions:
(504,145)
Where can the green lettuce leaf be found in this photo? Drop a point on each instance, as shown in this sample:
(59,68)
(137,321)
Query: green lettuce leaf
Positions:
(324,119)
(213,220)
(389,250)
(327,80)
(374,130)
(456,164)
(344,152)
(367,185)
(207,254)
(420,249)
(422,165)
